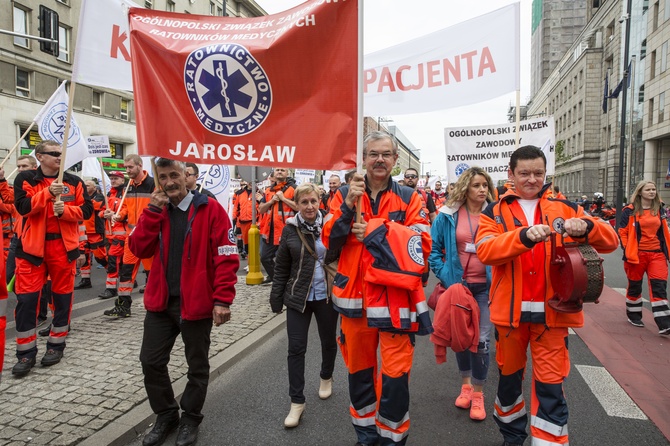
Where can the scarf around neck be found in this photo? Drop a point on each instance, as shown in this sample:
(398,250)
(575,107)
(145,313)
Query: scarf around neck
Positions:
(314,228)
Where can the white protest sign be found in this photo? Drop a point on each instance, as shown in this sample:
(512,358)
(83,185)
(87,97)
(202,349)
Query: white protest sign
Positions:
(490,147)
(98,146)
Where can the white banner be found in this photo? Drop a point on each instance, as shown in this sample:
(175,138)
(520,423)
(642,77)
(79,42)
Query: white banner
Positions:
(102,54)
(216,179)
(328,173)
(470,62)
(50,121)
(90,168)
(98,146)
(490,147)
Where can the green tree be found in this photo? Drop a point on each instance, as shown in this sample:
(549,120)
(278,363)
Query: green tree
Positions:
(559,150)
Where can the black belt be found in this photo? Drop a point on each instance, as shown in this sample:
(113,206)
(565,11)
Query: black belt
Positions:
(53,236)
(655,250)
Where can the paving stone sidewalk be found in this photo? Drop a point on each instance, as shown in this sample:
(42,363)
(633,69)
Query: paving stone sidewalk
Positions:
(100,378)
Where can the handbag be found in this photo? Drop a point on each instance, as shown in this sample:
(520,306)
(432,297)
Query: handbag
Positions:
(330,268)
(439,288)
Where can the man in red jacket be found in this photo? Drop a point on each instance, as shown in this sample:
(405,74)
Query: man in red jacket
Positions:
(191,285)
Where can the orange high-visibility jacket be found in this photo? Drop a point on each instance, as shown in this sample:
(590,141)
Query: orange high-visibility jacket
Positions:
(7,209)
(138,196)
(118,230)
(243,205)
(397,203)
(278,213)
(630,234)
(501,240)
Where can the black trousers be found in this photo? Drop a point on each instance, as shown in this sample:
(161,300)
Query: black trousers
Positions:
(160,331)
(297,328)
(268,254)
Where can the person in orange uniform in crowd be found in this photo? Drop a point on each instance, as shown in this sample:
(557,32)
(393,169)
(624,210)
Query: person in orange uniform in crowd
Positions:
(24,162)
(7,197)
(512,237)
(94,245)
(116,232)
(439,195)
(137,199)
(8,215)
(277,206)
(644,237)
(243,203)
(334,183)
(48,245)
(379,410)
(558,194)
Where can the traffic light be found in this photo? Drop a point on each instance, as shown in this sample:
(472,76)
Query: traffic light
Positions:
(49,30)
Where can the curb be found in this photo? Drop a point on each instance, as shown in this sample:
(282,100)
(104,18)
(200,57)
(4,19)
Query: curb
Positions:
(134,423)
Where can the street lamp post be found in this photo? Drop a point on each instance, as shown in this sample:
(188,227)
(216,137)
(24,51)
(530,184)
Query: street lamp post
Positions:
(622,143)
(422,167)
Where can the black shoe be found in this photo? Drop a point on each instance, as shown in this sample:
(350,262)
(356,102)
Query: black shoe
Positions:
(45,331)
(267,282)
(135,284)
(636,323)
(119,310)
(52,357)
(22,367)
(108,294)
(188,434)
(41,321)
(83,284)
(243,255)
(142,289)
(160,432)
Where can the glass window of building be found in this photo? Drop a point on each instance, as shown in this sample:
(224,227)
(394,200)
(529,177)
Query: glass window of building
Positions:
(96,104)
(63,44)
(664,56)
(170,6)
(149,4)
(21,26)
(117,150)
(661,107)
(125,107)
(22,83)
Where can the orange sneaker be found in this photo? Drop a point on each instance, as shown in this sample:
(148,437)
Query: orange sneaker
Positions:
(463,400)
(477,411)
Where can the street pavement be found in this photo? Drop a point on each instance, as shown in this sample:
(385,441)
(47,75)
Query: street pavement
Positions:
(95,395)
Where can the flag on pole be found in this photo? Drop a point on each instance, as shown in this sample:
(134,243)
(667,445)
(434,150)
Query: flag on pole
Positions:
(50,123)
(90,168)
(619,88)
(217,181)
(267,91)
(606,93)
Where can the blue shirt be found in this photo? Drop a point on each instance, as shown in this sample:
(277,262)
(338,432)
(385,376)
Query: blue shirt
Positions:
(318,291)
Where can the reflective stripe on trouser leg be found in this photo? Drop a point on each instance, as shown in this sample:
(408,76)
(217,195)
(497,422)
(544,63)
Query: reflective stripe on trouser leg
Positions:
(551,365)
(61,321)
(397,353)
(358,344)
(657,272)
(86,267)
(635,273)
(26,323)
(510,412)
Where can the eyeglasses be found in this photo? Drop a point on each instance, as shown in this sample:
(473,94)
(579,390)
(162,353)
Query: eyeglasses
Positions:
(385,155)
(411,177)
(54,154)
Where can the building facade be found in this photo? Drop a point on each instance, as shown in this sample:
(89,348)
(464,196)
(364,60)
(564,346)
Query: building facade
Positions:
(588,125)
(28,76)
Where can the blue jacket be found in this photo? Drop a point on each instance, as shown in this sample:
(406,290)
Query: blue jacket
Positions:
(443,233)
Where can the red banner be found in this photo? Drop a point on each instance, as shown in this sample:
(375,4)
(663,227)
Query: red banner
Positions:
(278,90)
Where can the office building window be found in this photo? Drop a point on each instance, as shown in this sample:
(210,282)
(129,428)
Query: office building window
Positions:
(22,83)
(97,102)
(651,112)
(661,107)
(170,6)
(149,4)
(117,150)
(664,56)
(63,44)
(21,26)
(125,107)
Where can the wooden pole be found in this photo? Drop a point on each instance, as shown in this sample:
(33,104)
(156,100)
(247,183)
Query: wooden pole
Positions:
(125,192)
(16,146)
(104,191)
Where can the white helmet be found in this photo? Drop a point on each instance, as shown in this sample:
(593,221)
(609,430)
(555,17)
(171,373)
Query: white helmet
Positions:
(598,195)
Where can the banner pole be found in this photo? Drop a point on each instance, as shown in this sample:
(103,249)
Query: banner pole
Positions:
(104,192)
(204,180)
(68,120)
(153,169)
(125,192)
(360,117)
(13,149)
(12,173)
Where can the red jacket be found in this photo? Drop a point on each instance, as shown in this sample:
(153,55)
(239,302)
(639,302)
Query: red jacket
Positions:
(209,262)
(456,322)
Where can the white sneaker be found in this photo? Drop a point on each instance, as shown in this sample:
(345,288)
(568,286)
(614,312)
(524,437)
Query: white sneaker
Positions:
(664,331)
(293,418)
(326,388)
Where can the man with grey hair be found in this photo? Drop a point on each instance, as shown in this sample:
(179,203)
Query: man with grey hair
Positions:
(191,286)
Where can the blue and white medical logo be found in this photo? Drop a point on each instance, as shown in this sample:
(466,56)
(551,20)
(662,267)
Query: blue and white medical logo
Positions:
(53,125)
(216,179)
(231,235)
(460,168)
(559,225)
(414,249)
(227,88)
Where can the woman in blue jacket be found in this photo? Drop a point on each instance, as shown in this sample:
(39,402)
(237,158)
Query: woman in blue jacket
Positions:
(453,259)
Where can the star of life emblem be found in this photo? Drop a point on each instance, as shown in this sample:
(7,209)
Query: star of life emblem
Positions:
(414,249)
(53,125)
(227,88)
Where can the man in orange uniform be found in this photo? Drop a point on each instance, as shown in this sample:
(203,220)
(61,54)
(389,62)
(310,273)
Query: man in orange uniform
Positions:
(116,232)
(48,245)
(137,199)
(379,410)
(7,213)
(243,203)
(512,238)
(276,207)
(94,245)
(334,183)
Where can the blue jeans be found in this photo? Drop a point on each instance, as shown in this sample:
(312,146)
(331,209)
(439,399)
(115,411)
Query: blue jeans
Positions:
(471,364)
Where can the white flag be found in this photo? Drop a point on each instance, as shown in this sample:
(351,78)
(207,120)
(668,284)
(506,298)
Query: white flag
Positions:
(102,54)
(50,123)
(90,167)
(470,62)
(217,181)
